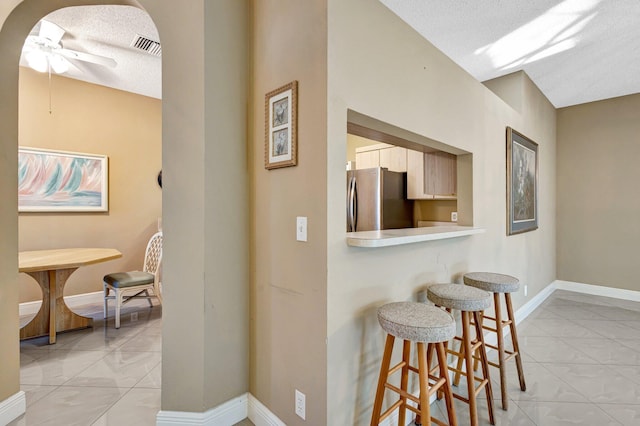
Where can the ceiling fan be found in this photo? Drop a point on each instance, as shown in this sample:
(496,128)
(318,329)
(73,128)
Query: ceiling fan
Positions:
(44,52)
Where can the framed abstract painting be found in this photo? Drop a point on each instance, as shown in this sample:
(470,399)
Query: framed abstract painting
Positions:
(58,181)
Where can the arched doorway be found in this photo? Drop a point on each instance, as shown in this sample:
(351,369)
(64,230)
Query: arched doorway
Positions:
(206,240)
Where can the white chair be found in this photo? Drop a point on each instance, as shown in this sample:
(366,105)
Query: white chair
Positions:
(131,285)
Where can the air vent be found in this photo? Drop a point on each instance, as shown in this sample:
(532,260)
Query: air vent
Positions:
(152,47)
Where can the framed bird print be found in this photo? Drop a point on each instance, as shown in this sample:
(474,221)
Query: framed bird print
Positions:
(281,145)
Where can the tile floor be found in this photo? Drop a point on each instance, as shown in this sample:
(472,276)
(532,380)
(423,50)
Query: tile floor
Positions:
(581,361)
(100,376)
(581,357)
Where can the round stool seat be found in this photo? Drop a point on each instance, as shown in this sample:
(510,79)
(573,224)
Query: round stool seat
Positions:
(460,297)
(492,282)
(416,322)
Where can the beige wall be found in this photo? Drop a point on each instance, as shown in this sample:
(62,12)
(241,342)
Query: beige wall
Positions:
(302,293)
(10,36)
(87,118)
(288,284)
(398,78)
(205,221)
(598,203)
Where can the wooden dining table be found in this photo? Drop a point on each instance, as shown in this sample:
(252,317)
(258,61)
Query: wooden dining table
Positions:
(51,269)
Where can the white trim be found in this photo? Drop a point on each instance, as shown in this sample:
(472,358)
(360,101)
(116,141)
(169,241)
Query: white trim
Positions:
(32,308)
(526,309)
(597,290)
(225,414)
(12,407)
(260,415)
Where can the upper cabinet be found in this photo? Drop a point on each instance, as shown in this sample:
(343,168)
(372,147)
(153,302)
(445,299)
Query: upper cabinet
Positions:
(391,157)
(431,175)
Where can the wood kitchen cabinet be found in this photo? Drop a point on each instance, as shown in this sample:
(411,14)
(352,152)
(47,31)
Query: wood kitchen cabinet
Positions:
(391,157)
(431,175)
(366,159)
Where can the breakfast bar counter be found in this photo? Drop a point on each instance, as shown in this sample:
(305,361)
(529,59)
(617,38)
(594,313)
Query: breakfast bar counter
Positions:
(395,237)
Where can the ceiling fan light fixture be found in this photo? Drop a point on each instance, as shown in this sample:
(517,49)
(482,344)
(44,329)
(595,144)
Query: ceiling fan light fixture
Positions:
(37,60)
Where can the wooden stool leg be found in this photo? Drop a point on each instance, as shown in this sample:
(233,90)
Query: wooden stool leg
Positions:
(501,362)
(485,364)
(461,358)
(476,361)
(471,387)
(430,352)
(382,380)
(514,340)
(404,380)
(423,373)
(448,395)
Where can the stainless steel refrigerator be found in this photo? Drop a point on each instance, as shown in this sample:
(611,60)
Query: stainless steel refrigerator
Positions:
(377,199)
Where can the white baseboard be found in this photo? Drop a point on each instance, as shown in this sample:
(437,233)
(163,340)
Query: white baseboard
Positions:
(12,407)
(526,309)
(226,414)
(260,415)
(32,308)
(597,290)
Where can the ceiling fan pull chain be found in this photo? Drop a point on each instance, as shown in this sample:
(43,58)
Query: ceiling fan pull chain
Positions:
(49,67)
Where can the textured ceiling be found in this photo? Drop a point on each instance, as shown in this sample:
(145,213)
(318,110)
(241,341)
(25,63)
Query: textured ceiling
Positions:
(108,31)
(576,51)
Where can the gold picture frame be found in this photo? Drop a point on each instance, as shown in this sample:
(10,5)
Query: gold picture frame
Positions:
(281,119)
(522,183)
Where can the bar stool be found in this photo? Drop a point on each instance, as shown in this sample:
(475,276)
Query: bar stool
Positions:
(429,327)
(500,284)
(470,302)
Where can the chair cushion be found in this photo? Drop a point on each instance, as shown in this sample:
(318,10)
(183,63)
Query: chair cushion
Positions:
(128,279)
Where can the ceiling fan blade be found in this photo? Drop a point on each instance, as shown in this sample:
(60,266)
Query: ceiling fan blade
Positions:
(30,44)
(51,31)
(87,57)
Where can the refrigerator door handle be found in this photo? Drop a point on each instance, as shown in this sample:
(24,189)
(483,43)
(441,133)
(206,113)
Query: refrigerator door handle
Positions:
(352,213)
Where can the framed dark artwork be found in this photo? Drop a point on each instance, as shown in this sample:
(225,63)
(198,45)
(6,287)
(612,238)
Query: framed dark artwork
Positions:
(522,183)
(281,116)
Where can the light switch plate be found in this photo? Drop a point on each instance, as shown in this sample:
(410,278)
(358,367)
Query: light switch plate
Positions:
(301,228)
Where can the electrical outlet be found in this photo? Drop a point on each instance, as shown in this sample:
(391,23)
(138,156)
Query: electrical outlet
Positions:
(134,316)
(301,228)
(526,290)
(454,216)
(300,404)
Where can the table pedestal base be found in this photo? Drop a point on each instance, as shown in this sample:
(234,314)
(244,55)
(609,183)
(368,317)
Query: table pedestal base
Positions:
(54,315)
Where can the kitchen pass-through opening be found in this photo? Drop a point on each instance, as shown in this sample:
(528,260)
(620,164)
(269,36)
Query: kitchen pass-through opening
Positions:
(399,179)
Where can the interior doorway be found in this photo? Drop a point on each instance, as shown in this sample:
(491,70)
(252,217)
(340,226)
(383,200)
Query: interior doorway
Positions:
(206,245)
(80,108)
